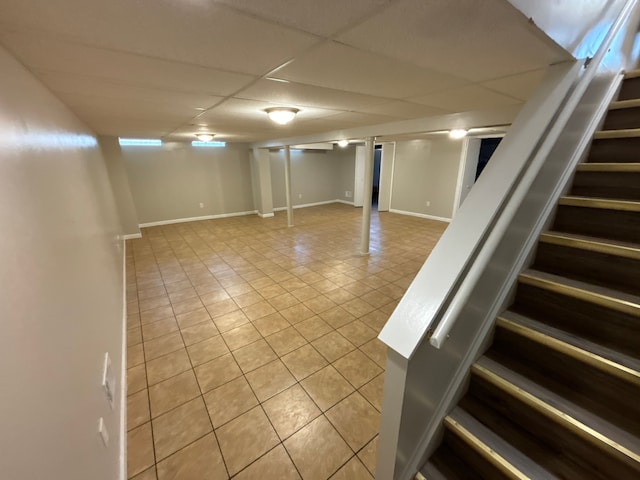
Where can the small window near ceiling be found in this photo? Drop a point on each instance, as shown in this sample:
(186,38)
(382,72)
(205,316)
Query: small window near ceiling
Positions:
(139,142)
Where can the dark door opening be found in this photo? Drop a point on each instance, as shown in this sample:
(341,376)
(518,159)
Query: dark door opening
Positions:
(377,156)
(487,147)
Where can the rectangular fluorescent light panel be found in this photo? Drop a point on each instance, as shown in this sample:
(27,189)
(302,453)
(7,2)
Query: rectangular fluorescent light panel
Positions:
(139,142)
(196,143)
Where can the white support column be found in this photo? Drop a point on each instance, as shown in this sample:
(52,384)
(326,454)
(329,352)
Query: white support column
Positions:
(366,194)
(287,183)
(261,179)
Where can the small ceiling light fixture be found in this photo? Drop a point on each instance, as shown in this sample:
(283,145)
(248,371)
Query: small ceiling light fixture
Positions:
(205,137)
(458,133)
(282,115)
(343,143)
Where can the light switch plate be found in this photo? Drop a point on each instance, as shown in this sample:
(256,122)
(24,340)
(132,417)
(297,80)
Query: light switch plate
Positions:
(109,380)
(102,430)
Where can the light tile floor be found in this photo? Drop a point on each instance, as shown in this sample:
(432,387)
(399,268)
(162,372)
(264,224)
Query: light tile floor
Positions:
(252,349)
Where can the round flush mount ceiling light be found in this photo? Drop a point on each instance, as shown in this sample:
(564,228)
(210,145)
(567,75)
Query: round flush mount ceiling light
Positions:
(282,115)
(205,137)
(343,143)
(458,133)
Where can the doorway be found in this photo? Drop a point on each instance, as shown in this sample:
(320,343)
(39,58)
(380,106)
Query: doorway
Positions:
(476,153)
(375,191)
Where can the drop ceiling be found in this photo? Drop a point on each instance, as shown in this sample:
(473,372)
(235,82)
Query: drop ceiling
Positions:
(168,68)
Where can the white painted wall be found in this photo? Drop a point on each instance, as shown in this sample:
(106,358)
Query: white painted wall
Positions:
(426,171)
(171,181)
(61,301)
(386,176)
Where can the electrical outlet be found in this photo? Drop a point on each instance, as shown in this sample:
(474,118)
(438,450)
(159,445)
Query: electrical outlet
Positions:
(102,430)
(108,380)
(348,193)
(201,205)
(428,203)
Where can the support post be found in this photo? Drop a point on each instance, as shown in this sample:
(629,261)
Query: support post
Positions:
(367,190)
(287,183)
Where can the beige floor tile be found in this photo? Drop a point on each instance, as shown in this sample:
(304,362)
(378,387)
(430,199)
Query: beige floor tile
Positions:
(313,328)
(198,333)
(271,324)
(162,345)
(207,350)
(182,295)
(304,361)
(139,450)
(297,313)
(320,304)
(340,296)
(337,317)
(187,306)
(356,420)
(149,474)
(373,391)
(285,341)
(173,392)
(245,299)
(231,320)
(358,288)
(271,291)
(254,355)
(177,286)
(357,368)
(134,336)
(241,336)
(136,379)
(376,351)
(211,298)
(222,308)
(198,461)
(180,427)
(353,470)
(270,380)
(357,333)
(332,346)
(137,409)
(246,439)
(167,366)
(290,410)
(258,310)
(193,318)
(283,301)
(135,355)
(358,307)
(152,303)
(274,465)
(326,387)
(151,292)
(317,450)
(229,401)
(159,328)
(305,293)
(217,372)
(368,455)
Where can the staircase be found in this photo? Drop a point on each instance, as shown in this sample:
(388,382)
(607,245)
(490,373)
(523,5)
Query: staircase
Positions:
(557,394)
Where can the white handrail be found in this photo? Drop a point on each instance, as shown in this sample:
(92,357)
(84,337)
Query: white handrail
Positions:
(484,253)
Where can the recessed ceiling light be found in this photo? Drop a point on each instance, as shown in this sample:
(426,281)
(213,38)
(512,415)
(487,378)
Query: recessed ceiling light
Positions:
(458,133)
(205,137)
(282,115)
(343,143)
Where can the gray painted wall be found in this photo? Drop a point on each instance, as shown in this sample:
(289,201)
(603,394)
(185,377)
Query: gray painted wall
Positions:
(171,181)
(426,171)
(61,301)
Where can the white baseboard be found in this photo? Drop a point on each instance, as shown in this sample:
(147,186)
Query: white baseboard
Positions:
(131,236)
(339,200)
(197,219)
(123,370)
(420,215)
(265,215)
(316,204)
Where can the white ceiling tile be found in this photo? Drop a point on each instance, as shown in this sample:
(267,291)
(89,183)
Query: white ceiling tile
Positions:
(319,17)
(473,39)
(466,99)
(519,86)
(65,83)
(198,32)
(44,52)
(292,93)
(358,118)
(341,67)
(400,109)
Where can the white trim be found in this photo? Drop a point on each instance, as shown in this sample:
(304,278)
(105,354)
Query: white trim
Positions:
(196,219)
(339,200)
(420,215)
(123,370)
(305,205)
(265,215)
(461,171)
(131,236)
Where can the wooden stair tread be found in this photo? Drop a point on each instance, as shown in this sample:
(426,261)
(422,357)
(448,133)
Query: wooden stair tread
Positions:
(606,297)
(594,244)
(619,133)
(609,167)
(620,104)
(581,422)
(493,448)
(605,359)
(430,472)
(600,203)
